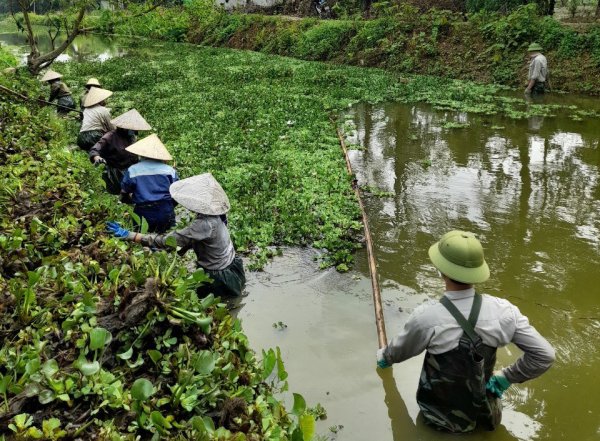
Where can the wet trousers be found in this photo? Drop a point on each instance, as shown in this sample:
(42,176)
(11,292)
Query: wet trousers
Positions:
(87,139)
(229,282)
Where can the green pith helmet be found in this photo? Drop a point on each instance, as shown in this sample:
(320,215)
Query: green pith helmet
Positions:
(534,47)
(459,255)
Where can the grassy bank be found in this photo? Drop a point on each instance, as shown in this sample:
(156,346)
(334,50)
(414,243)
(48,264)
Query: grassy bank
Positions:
(101,339)
(485,48)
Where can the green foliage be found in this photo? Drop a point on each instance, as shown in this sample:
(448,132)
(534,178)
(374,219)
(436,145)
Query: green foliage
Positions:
(6,59)
(325,40)
(109,340)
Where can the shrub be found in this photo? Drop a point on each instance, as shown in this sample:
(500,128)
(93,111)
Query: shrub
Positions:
(325,40)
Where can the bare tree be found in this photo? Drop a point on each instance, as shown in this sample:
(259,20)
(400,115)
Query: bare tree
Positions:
(70,22)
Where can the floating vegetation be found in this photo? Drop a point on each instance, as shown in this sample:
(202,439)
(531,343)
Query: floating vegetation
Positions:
(103,340)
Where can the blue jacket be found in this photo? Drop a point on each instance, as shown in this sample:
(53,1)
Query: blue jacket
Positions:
(149,181)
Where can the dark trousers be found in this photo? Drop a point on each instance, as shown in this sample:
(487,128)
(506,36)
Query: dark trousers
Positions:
(229,282)
(160,215)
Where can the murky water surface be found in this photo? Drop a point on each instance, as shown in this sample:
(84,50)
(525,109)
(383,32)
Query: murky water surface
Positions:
(530,189)
(89,47)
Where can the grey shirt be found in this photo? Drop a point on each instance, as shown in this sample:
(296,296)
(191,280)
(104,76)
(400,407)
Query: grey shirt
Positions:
(208,236)
(538,69)
(431,327)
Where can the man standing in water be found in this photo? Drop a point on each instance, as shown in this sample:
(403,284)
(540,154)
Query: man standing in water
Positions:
(458,389)
(538,70)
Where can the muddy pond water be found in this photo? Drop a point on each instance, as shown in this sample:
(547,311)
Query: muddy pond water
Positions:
(529,188)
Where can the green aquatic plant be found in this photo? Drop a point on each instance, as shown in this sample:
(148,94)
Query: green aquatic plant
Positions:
(103,339)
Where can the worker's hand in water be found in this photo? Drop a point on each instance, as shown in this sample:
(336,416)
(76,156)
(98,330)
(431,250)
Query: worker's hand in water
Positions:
(99,160)
(116,229)
(497,385)
(381,363)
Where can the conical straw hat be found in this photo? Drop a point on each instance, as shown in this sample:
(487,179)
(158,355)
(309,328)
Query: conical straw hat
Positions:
(96,95)
(131,120)
(93,82)
(202,194)
(150,147)
(51,75)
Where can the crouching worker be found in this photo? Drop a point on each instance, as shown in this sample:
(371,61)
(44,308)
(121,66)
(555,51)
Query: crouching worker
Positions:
(207,235)
(59,92)
(111,149)
(458,389)
(147,184)
(96,118)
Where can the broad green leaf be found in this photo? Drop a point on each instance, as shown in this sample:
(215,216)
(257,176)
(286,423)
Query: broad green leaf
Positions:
(269,362)
(126,355)
(297,435)
(281,372)
(49,368)
(307,425)
(299,405)
(159,420)
(99,337)
(88,368)
(154,355)
(171,242)
(46,396)
(142,389)
(203,362)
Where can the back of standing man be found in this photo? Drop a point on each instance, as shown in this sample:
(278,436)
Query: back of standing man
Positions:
(458,388)
(538,70)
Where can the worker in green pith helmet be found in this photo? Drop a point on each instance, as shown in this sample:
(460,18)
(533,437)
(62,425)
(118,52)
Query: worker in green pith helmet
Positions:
(458,388)
(538,70)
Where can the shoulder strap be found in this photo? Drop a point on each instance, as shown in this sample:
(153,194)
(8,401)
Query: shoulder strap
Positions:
(467,326)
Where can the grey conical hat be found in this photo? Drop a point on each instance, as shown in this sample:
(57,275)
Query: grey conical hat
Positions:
(96,95)
(131,120)
(150,147)
(202,194)
(51,75)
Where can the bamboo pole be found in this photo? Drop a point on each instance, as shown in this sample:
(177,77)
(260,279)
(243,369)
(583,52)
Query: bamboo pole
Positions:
(379,320)
(38,100)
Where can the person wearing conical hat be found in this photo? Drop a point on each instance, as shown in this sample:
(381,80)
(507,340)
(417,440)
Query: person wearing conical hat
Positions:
(458,388)
(96,118)
(147,184)
(207,235)
(538,70)
(111,149)
(59,91)
(92,82)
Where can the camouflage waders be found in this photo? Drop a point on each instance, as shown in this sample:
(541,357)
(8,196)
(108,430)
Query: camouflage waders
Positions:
(452,394)
(538,88)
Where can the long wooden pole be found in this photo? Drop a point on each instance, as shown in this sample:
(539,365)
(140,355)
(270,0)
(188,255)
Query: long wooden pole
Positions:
(379,320)
(38,100)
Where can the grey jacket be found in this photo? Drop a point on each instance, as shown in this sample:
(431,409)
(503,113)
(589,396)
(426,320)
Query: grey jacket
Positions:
(432,328)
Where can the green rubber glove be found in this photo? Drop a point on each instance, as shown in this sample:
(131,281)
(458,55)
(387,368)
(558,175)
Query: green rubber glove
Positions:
(381,363)
(498,385)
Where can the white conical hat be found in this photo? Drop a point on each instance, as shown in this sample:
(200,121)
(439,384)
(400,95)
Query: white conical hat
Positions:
(150,147)
(131,120)
(202,194)
(96,95)
(93,82)
(51,75)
